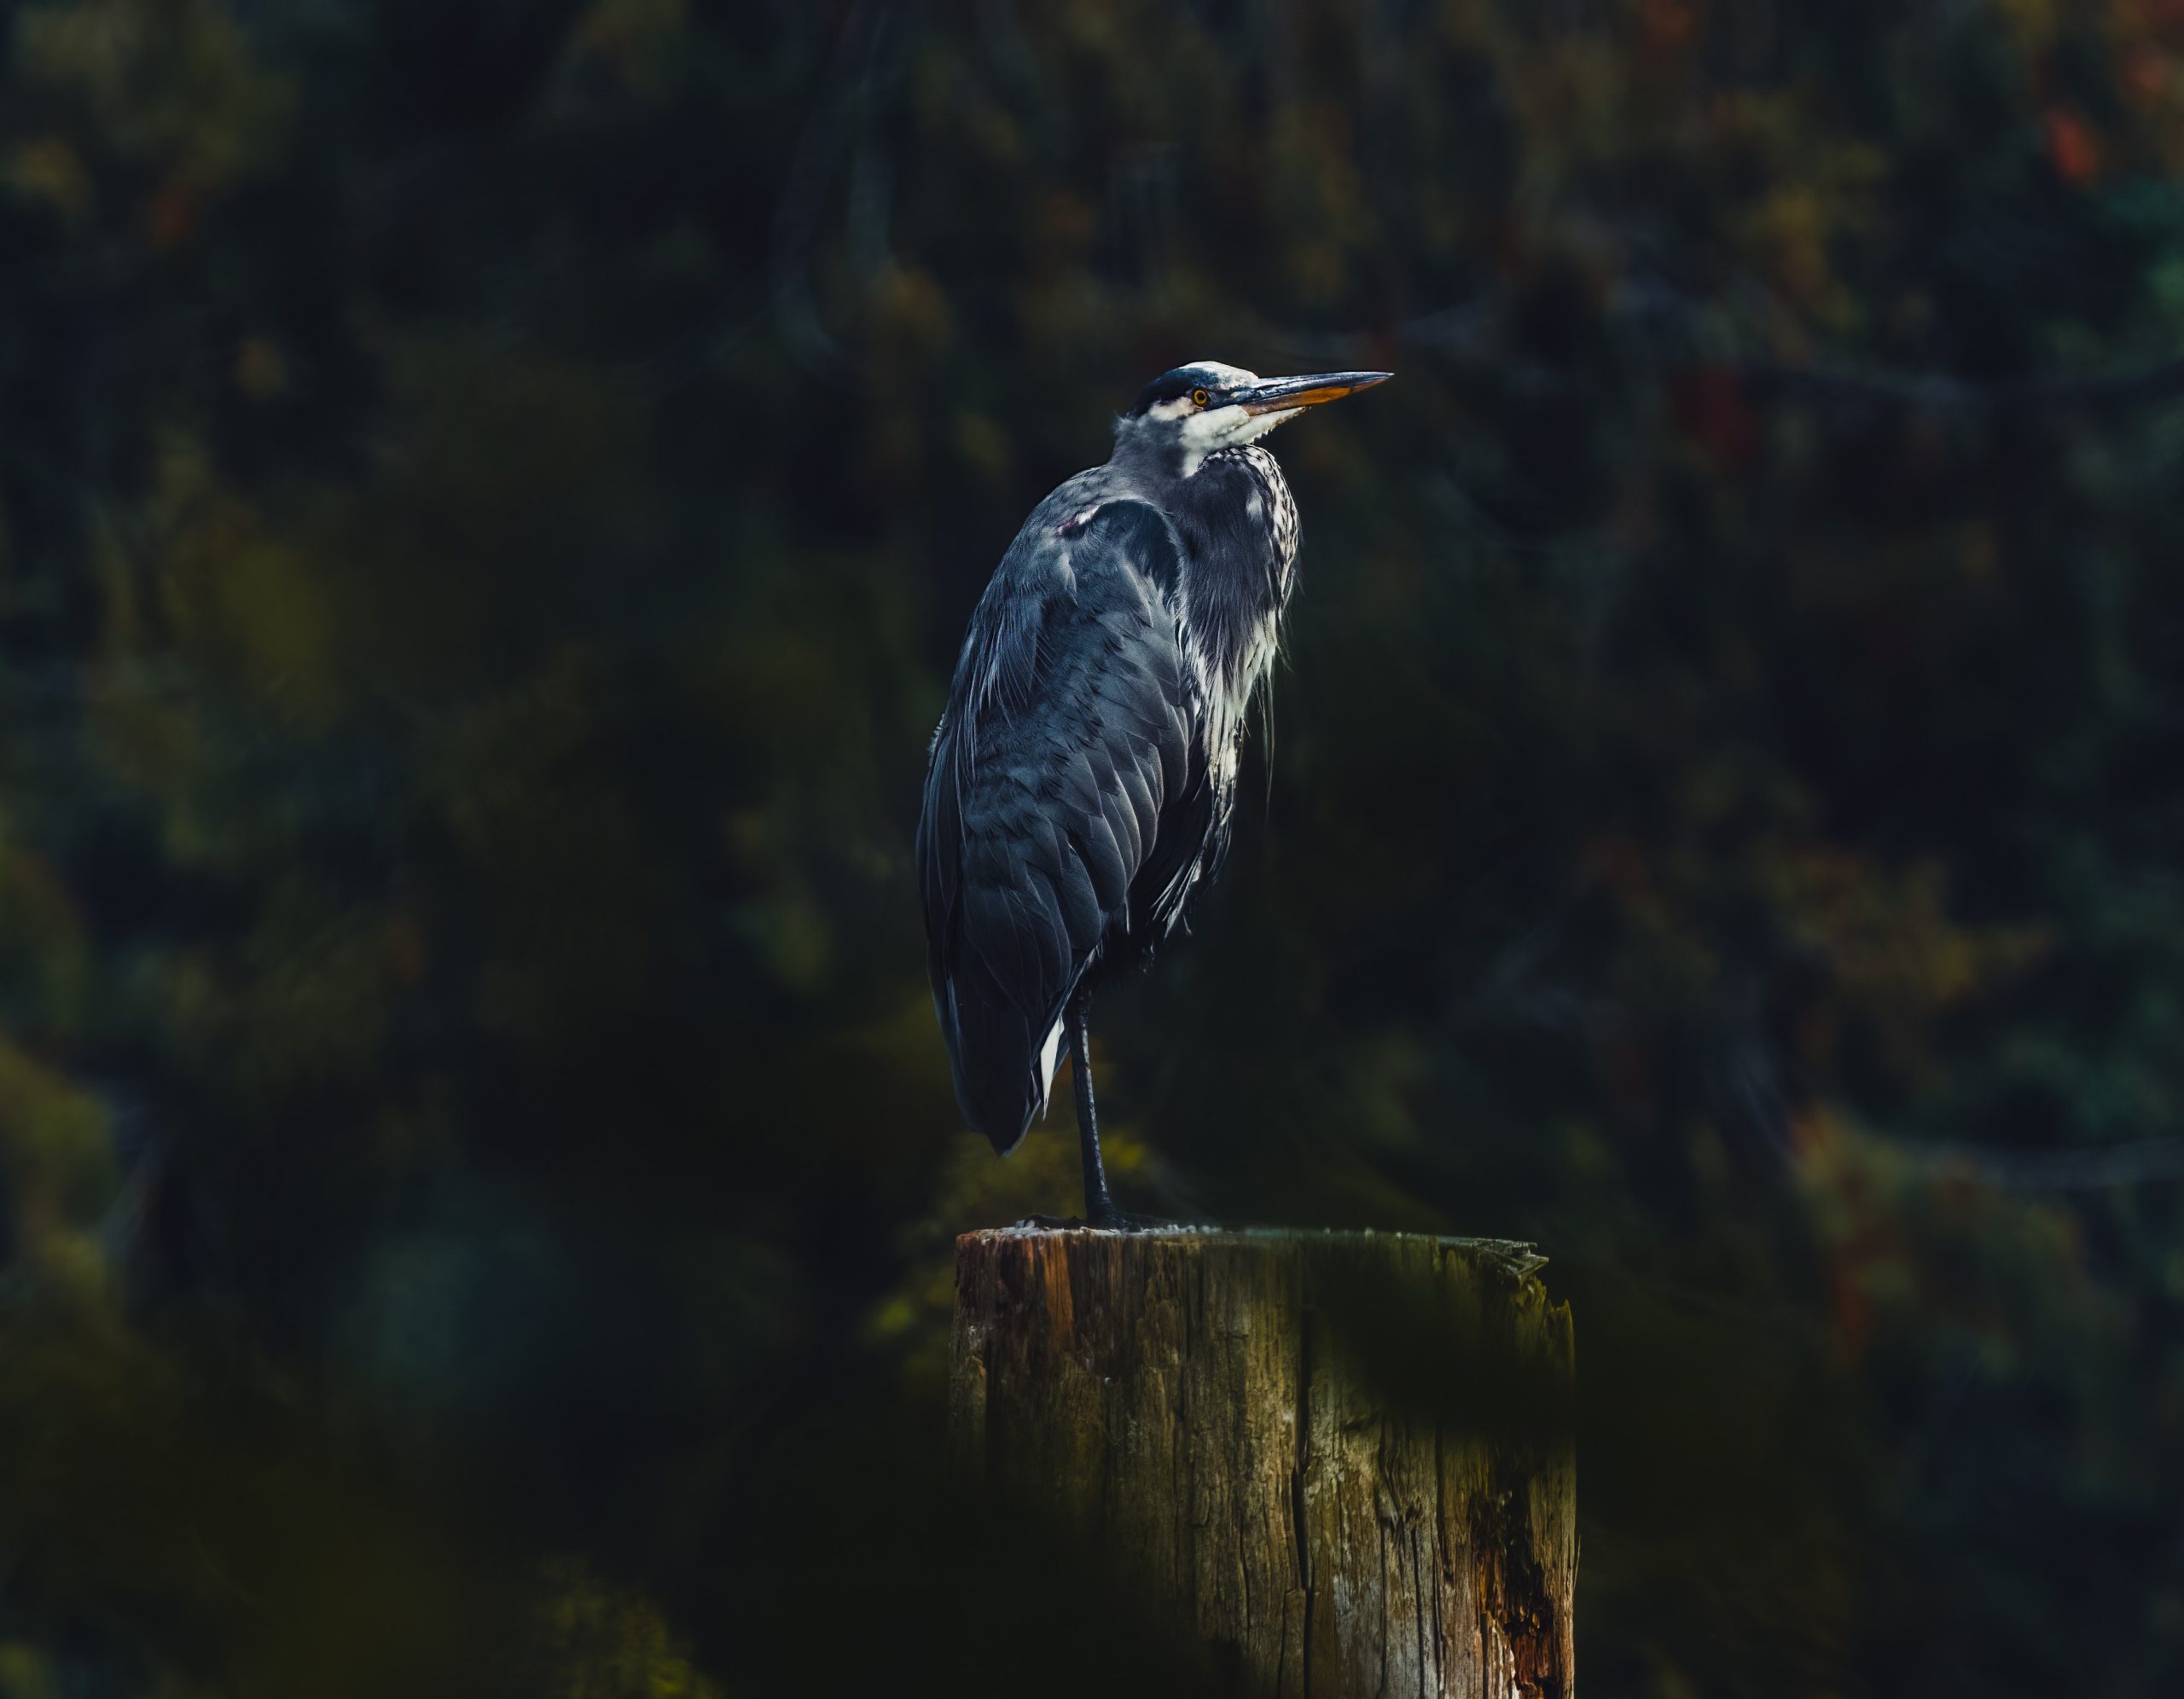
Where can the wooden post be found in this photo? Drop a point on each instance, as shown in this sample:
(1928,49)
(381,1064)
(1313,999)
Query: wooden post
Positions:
(1341,1461)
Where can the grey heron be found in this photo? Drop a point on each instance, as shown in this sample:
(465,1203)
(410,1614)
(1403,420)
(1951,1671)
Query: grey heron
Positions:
(1081,781)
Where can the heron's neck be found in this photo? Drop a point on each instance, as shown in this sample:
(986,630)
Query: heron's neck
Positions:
(1152,459)
(1238,529)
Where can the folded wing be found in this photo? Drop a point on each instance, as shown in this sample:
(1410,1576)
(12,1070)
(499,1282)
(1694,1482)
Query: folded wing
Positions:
(1067,804)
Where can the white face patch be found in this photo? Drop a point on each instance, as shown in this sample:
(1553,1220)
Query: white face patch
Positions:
(1226,427)
(1206,431)
(1219,427)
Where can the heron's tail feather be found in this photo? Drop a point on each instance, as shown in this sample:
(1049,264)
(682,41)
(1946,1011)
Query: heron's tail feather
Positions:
(1004,1069)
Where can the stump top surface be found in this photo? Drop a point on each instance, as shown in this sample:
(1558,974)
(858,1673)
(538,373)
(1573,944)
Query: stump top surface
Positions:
(1517,1257)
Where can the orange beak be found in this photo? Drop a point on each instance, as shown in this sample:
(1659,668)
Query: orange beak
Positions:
(1286,395)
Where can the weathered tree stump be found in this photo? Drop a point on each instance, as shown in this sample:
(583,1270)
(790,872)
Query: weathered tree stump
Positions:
(1343,1461)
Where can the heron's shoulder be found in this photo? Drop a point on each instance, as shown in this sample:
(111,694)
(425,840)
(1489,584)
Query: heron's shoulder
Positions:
(1095,521)
(1072,501)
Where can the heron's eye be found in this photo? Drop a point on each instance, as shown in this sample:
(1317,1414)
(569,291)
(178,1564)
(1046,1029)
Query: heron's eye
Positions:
(1201,397)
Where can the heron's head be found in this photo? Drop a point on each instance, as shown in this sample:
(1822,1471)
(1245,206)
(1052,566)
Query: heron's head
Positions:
(1190,412)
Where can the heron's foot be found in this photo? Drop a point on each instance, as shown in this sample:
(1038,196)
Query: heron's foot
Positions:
(1116,1220)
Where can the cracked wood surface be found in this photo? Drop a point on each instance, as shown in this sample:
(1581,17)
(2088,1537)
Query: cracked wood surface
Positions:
(1342,1461)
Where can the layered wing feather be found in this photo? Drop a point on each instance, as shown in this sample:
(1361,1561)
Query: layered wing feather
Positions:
(1067,803)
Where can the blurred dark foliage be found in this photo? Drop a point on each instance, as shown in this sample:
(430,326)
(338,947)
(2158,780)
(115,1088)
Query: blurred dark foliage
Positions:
(488,497)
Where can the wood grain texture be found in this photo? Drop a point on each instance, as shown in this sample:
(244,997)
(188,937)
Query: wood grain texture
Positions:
(1343,1461)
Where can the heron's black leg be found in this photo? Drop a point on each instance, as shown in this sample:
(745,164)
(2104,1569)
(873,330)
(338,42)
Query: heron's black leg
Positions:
(1098,1206)
(1100,1209)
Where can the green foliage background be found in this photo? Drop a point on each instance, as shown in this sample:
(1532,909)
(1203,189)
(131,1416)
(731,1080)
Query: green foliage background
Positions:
(489,493)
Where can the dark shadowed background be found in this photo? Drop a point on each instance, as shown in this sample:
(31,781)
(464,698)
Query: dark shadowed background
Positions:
(489,496)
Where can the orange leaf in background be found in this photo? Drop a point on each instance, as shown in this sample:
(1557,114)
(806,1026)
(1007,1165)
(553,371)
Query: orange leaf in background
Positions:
(1666,22)
(172,213)
(1851,1311)
(2071,147)
(2144,72)
(1811,1134)
(1710,409)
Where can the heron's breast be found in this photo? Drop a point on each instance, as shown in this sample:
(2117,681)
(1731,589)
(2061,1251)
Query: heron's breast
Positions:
(1237,524)
(1270,512)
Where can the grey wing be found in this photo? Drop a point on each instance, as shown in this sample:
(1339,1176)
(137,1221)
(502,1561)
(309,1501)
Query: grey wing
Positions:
(1072,745)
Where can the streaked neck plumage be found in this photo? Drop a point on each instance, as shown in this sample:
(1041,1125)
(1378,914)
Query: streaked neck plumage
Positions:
(1233,510)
